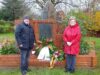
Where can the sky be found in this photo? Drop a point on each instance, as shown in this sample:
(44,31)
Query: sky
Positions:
(0,3)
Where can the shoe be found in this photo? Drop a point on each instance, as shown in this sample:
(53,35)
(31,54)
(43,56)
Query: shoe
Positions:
(24,73)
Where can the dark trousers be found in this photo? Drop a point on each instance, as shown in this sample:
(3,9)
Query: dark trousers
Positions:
(70,62)
(24,60)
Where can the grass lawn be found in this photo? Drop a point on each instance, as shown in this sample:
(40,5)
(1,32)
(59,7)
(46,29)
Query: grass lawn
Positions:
(46,71)
(55,71)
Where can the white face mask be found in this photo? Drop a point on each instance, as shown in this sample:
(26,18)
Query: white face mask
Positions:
(72,22)
(26,21)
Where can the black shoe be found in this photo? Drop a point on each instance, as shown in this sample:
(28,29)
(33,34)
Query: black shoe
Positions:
(28,70)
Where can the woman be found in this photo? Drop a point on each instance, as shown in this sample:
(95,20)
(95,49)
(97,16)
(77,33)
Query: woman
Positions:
(71,37)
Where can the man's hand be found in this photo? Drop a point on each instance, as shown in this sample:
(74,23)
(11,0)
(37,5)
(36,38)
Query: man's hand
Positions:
(21,45)
(34,44)
(69,43)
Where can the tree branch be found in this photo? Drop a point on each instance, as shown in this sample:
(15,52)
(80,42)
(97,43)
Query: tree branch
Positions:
(39,3)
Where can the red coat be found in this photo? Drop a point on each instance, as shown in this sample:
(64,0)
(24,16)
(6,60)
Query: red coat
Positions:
(72,34)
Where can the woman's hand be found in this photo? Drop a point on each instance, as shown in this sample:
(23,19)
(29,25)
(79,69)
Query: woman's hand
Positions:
(69,43)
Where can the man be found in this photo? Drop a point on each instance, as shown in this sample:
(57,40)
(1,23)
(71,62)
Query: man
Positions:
(24,35)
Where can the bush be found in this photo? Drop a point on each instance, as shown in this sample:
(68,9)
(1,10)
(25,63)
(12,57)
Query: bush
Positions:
(7,46)
(6,26)
(95,22)
(84,47)
(9,49)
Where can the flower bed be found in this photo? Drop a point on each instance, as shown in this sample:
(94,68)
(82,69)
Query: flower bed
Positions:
(7,46)
(14,61)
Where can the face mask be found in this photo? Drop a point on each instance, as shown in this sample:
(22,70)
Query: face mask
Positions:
(72,22)
(26,21)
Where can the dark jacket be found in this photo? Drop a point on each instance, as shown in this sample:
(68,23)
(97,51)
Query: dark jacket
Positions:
(24,35)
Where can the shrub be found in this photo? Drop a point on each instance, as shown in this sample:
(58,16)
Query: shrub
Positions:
(9,49)
(84,47)
(6,26)
(95,22)
(8,46)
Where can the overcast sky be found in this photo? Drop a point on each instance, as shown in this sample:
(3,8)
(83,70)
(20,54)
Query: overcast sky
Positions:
(0,3)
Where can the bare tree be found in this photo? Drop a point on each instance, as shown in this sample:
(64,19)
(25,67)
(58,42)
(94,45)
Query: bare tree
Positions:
(41,3)
(88,4)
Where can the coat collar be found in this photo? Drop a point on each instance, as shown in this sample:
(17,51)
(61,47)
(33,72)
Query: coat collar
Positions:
(26,25)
